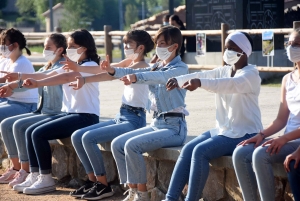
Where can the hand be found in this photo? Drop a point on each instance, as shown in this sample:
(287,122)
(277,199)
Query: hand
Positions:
(128,79)
(105,65)
(275,144)
(293,156)
(192,84)
(171,84)
(30,83)
(78,84)
(10,76)
(5,91)
(257,139)
(69,65)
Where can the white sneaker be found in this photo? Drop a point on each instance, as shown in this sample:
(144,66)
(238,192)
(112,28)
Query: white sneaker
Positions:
(131,194)
(44,184)
(30,179)
(8,176)
(141,196)
(19,178)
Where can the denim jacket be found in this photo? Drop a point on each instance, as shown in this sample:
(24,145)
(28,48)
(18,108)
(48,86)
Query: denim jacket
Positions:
(51,96)
(165,100)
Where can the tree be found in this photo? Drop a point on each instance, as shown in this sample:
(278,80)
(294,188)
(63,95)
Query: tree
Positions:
(131,15)
(81,13)
(26,10)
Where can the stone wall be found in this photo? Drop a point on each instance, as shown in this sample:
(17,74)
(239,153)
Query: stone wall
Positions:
(221,184)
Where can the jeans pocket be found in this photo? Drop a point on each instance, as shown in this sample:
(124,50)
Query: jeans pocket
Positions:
(174,121)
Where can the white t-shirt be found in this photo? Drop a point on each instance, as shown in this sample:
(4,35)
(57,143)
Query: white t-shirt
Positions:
(22,65)
(237,109)
(3,63)
(84,100)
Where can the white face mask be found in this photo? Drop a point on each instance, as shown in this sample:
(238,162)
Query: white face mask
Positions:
(293,53)
(231,57)
(163,52)
(130,54)
(5,51)
(49,55)
(73,55)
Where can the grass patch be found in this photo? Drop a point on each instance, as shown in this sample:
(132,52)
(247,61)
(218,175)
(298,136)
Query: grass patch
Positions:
(272,82)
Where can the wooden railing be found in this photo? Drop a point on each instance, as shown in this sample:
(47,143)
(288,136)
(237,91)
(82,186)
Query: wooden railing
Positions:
(110,38)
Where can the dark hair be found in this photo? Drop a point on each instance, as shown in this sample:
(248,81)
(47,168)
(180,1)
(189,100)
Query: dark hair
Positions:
(141,37)
(166,17)
(1,30)
(59,40)
(15,36)
(178,21)
(249,38)
(171,35)
(83,38)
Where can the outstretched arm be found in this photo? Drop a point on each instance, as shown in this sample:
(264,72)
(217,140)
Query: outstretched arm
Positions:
(58,79)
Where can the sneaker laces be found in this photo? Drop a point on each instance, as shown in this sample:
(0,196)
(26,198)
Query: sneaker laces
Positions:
(17,175)
(7,170)
(40,179)
(130,193)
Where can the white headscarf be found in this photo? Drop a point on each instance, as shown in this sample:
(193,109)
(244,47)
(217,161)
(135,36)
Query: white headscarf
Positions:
(240,40)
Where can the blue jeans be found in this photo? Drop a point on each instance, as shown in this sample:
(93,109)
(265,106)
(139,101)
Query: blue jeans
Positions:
(262,172)
(86,140)
(128,148)
(13,108)
(3,100)
(294,179)
(192,165)
(13,133)
(60,126)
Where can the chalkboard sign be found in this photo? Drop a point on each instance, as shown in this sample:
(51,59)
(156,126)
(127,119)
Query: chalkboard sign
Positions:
(239,14)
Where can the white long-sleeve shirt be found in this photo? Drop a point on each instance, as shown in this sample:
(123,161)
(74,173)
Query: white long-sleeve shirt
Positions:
(237,109)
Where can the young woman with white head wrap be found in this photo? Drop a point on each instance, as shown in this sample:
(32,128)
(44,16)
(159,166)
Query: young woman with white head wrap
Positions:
(237,86)
(255,153)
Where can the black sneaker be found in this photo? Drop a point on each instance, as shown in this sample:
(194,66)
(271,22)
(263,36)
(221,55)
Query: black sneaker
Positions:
(98,191)
(83,189)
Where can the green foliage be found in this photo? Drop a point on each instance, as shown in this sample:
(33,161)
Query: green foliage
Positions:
(131,15)
(80,13)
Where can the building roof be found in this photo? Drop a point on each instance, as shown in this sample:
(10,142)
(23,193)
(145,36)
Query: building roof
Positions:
(154,22)
(57,6)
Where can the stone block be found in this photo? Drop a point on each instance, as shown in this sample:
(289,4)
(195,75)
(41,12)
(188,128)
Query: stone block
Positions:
(151,167)
(214,187)
(59,162)
(232,186)
(5,163)
(279,189)
(288,195)
(156,195)
(3,153)
(164,173)
(72,168)
(110,166)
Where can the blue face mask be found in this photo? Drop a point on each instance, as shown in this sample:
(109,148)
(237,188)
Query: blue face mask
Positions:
(165,23)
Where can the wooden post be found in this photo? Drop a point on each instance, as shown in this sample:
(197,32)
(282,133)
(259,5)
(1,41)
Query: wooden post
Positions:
(224,34)
(296,24)
(108,42)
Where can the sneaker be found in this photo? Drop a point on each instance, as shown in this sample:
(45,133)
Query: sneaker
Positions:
(83,189)
(18,178)
(141,196)
(44,184)
(98,191)
(131,194)
(30,179)
(8,176)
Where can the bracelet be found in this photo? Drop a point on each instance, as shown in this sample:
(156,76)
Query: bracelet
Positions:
(19,76)
(262,134)
(20,84)
(111,74)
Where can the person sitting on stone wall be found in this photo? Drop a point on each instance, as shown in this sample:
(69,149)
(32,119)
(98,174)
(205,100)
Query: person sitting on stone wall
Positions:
(13,128)
(168,126)
(254,157)
(237,87)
